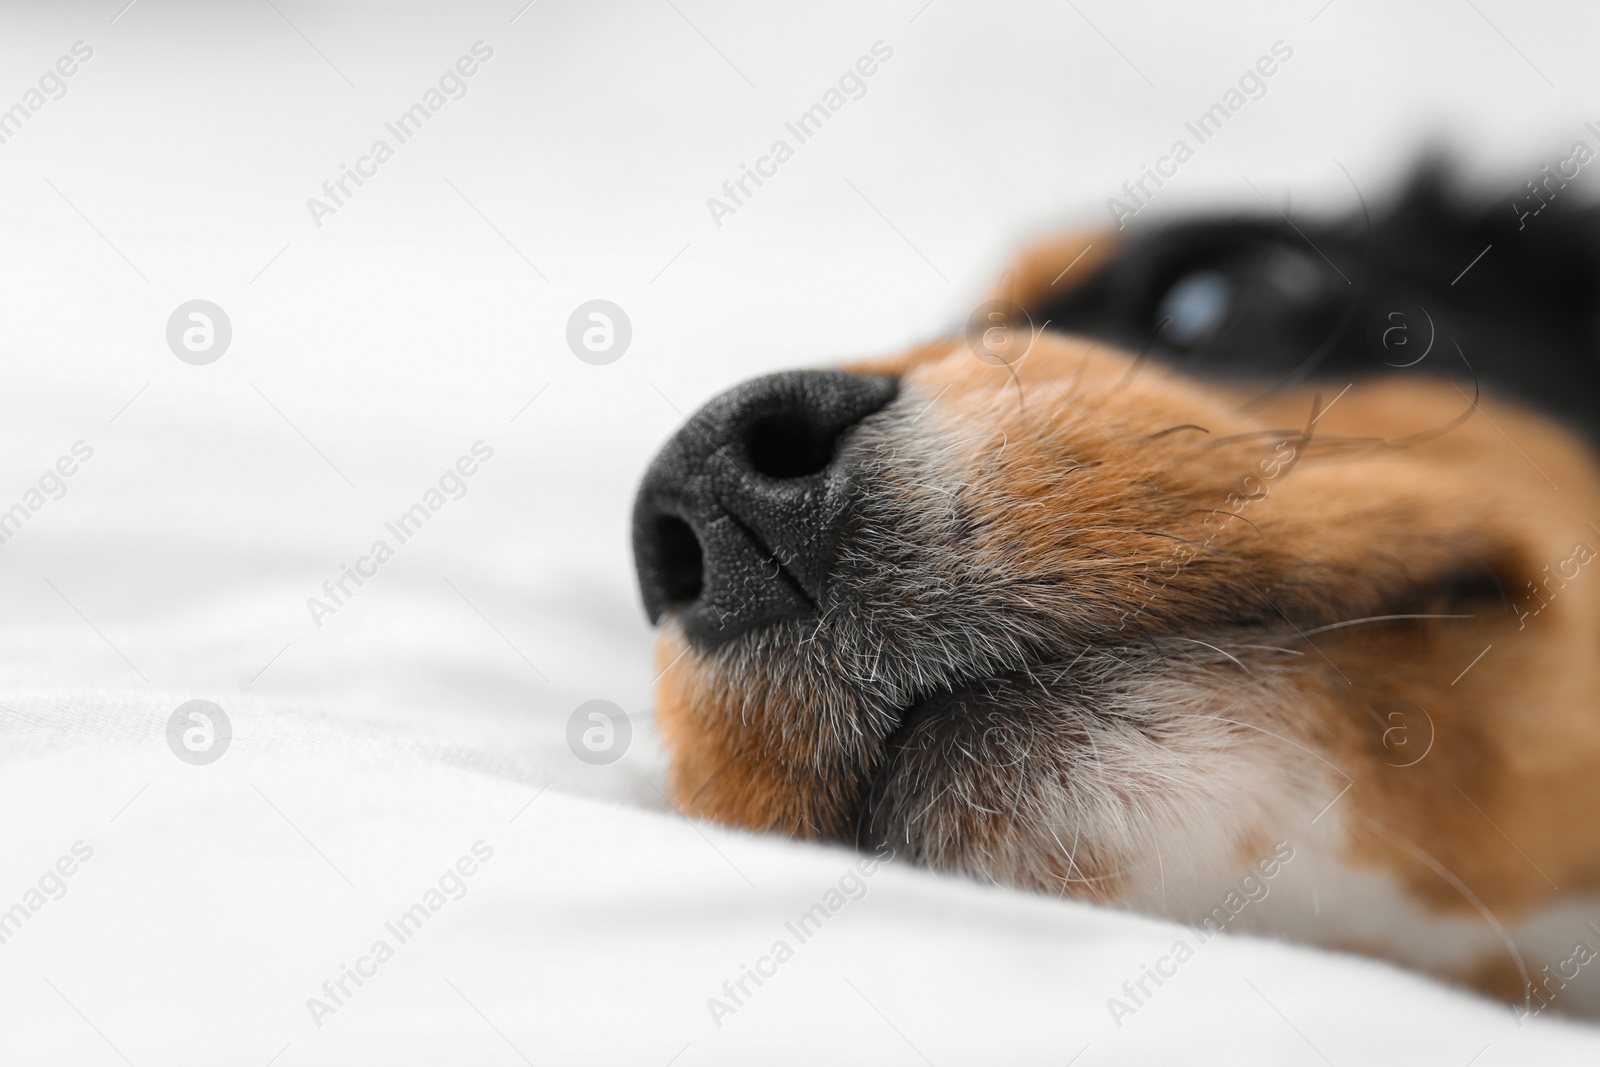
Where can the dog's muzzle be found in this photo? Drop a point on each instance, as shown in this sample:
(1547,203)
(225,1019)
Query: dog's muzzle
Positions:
(739,517)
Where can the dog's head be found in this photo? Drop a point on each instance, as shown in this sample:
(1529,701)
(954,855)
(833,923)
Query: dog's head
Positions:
(1184,538)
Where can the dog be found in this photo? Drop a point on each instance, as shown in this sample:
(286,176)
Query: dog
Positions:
(1234,547)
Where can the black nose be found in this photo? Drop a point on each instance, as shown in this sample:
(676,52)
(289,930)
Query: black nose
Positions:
(739,517)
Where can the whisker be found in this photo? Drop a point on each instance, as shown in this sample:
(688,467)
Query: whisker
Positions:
(1253,433)
(1377,618)
(1175,429)
(1022,403)
(1234,515)
(1424,436)
(1214,648)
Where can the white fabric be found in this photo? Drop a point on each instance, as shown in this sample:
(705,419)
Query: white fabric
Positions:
(426,713)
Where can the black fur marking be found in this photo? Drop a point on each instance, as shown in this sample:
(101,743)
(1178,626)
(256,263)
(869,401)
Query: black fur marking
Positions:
(1344,300)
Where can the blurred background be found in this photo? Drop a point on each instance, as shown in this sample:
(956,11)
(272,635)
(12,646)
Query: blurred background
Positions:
(376,333)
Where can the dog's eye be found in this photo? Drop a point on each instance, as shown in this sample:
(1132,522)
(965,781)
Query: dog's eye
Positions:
(1260,292)
(1195,306)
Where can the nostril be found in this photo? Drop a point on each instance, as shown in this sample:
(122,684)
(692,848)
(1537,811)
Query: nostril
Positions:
(680,561)
(788,445)
(740,516)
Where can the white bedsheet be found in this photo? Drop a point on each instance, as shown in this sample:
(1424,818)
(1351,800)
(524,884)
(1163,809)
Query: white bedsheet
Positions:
(217,900)
(428,712)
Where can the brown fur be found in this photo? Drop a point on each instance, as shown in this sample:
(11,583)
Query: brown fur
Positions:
(1175,496)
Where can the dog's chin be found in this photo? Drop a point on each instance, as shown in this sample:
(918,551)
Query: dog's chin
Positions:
(975,745)
(1062,776)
